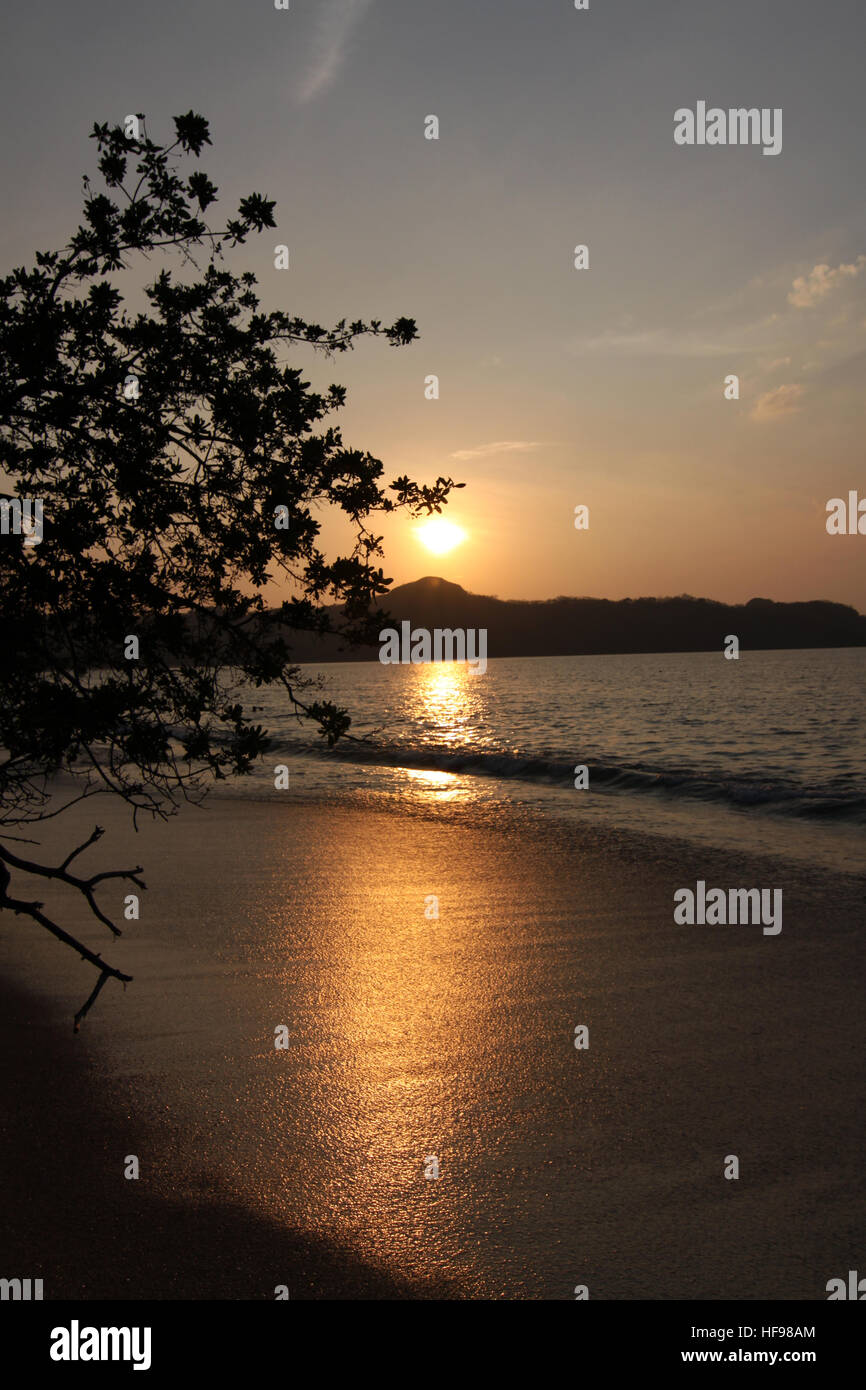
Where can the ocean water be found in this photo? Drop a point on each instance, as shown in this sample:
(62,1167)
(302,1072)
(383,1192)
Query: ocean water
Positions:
(765,753)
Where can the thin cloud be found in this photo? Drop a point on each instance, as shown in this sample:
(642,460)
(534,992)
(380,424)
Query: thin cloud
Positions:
(808,290)
(774,404)
(337,22)
(656,342)
(504,446)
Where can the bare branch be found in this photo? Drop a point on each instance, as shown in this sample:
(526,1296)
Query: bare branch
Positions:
(85,886)
(34,910)
(90,1000)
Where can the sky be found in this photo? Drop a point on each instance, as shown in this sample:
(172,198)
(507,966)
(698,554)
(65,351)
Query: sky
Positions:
(602,387)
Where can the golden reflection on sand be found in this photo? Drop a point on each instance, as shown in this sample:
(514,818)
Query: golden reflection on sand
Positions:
(446,785)
(393,977)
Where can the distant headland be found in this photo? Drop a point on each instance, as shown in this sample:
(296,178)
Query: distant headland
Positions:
(594,626)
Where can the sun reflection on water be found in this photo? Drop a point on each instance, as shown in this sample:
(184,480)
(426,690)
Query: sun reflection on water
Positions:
(445,698)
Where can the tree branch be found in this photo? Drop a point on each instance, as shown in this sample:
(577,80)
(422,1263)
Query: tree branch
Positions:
(84,885)
(34,910)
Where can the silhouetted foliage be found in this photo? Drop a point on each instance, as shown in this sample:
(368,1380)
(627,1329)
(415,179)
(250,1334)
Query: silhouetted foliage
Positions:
(159,507)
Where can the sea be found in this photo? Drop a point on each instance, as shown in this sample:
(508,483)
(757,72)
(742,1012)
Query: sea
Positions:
(765,753)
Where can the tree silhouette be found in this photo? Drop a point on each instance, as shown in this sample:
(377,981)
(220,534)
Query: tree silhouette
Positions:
(181,466)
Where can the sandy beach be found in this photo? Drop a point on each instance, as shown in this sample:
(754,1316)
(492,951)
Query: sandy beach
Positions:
(413,1036)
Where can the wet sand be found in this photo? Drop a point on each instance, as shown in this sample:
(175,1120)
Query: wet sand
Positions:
(412,1036)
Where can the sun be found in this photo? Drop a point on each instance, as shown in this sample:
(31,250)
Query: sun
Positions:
(440,535)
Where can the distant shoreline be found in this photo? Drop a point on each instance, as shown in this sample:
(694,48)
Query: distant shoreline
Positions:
(596,627)
(549,656)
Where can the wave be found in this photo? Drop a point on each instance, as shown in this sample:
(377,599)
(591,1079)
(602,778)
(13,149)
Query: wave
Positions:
(742,792)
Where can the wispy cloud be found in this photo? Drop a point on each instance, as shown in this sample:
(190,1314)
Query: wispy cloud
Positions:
(660,342)
(774,404)
(503,446)
(337,22)
(808,290)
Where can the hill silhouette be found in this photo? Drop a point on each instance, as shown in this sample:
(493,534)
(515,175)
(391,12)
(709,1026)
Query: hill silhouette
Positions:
(584,626)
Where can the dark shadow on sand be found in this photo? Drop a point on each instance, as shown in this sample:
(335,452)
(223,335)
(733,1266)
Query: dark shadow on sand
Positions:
(87,1239)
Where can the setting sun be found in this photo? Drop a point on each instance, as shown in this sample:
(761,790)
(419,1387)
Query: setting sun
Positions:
(439,535)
